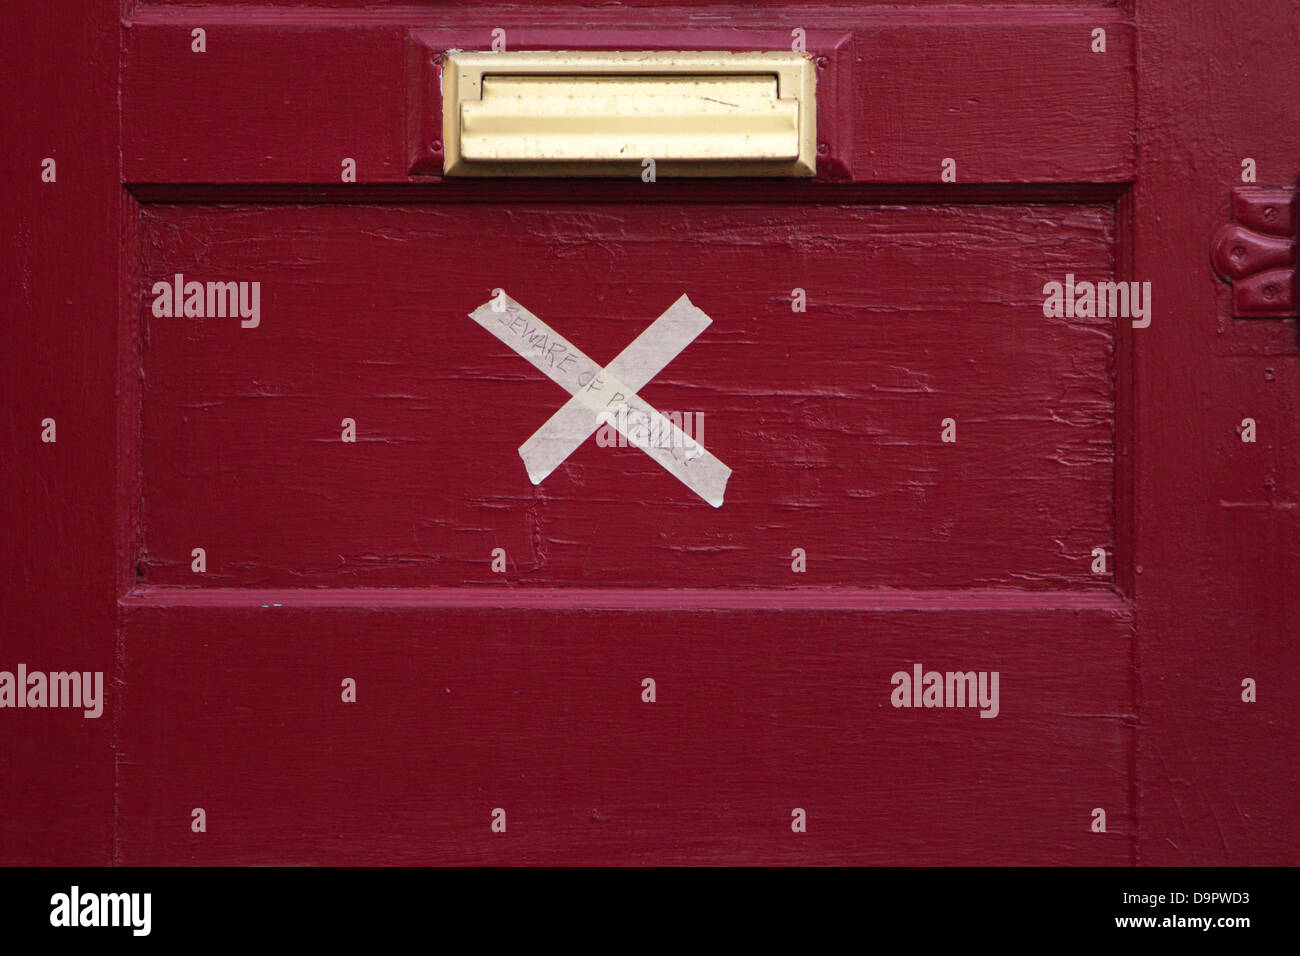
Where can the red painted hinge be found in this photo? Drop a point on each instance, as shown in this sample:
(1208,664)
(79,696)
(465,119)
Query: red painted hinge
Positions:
(1256,252)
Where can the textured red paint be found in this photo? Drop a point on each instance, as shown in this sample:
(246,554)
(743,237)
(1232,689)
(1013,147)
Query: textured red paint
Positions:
(522,690)
(283,88)
(831,419)
(1217,521)
(58,282)
(463,710)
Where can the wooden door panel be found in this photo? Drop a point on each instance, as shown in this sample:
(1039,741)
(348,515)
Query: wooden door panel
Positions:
(283,97)
(461,710)
(522,690)
(1119,690)
(831,419)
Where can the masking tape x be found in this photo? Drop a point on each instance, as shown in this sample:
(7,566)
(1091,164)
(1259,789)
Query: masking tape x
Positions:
(609,394)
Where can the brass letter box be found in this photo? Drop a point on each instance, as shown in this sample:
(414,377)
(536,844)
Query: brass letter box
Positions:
(602,114)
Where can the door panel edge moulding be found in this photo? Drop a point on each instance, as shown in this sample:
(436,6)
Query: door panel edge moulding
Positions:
(792,599)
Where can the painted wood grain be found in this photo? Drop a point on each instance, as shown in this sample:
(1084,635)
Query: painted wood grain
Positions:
(58,505)
(831,419)
(1217,520)
(459,712)
(284,96)
(471,696)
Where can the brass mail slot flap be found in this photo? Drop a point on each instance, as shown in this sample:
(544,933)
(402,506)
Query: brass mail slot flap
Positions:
(590,118)
(584,114)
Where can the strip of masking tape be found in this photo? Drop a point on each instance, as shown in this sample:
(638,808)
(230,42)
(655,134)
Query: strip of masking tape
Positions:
(608,394)
(680,455)
(547,350)
(647,356)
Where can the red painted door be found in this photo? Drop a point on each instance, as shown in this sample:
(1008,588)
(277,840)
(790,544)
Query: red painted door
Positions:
(1001,571)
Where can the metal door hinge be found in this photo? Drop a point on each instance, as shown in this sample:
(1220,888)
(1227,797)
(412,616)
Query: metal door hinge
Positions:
(1256,252)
